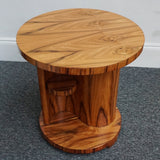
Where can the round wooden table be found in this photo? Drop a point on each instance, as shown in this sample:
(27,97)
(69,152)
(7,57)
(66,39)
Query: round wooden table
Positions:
(78,54)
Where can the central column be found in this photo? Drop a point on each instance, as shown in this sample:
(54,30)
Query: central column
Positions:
(96,98)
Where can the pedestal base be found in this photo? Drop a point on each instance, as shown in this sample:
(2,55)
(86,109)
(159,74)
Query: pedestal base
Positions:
(70,134)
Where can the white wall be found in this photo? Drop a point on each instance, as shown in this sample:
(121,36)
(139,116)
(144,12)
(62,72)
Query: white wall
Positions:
(146,13)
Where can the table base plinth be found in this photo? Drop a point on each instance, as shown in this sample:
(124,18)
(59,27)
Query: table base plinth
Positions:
(68,133)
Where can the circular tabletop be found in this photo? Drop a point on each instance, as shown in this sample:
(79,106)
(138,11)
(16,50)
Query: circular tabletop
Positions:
(80,41)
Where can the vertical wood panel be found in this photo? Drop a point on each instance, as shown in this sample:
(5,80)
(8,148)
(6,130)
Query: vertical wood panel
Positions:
(44,95)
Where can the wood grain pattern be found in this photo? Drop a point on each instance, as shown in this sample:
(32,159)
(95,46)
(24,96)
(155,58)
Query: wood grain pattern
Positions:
(60,91)
(96,97)
(81,110)
(78,54)
(70,134)
(92,98)
(80,41)
(44,95)
(59,88)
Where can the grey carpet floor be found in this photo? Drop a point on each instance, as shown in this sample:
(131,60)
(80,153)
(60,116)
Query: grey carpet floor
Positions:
(20,135)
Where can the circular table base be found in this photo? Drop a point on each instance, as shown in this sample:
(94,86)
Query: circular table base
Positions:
(69,134)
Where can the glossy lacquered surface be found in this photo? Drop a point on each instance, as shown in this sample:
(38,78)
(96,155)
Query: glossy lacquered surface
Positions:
(70,134)
(78,54)
(80,41)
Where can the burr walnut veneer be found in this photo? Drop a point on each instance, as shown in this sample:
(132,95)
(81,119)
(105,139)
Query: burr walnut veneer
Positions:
(78,54)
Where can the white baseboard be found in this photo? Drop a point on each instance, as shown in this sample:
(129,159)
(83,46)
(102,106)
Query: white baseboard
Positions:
(9,50)
(150,56)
